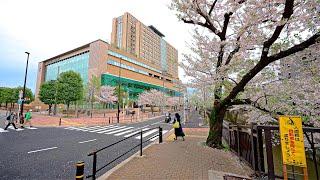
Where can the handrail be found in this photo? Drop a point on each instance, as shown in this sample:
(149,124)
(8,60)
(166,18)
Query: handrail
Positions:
(94,153)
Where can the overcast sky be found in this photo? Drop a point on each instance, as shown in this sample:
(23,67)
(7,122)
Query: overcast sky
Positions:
(47,28)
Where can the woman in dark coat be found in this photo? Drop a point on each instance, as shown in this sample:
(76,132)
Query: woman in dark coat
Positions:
(178,131)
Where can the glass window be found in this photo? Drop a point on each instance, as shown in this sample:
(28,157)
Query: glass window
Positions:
(78,63)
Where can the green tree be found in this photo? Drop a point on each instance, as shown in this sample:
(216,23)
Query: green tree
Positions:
(121,95)
(48,93)
(93,89)
(70,87)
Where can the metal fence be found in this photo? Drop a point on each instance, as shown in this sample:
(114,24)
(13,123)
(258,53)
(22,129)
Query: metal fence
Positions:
(95,152)
(254,144)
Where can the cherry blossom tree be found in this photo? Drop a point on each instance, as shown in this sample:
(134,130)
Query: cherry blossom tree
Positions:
(106,94)
(238,43)
(152,97)
(174,101)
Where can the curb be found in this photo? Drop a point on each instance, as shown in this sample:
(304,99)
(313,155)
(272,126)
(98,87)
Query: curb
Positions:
(137,154)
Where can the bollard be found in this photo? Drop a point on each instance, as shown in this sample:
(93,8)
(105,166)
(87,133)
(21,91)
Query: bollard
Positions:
(91,114)
(109,120)
(104,114)
(94,168)
(80,170)
(160,135)
(60,122)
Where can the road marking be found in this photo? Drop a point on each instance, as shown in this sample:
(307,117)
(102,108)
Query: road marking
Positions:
(125,132)
(31,128)
(147,133)
(163,132)
(104,128)
(86,128)
(111,129)
(136,132)
(10,127)
(42,150)
(156,123)
(113,132)
(87,141)
(2,130)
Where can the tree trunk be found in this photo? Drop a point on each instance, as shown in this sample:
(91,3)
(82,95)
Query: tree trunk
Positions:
(50,106)
(216,116)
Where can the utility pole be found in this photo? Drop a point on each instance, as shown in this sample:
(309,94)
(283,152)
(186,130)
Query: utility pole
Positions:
(24,85)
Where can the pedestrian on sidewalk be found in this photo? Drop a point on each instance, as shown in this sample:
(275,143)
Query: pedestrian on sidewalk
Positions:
(28,117)
(178,131)
(11,118)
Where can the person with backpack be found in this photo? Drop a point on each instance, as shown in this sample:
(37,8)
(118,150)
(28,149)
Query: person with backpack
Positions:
(28,117)
(11,118)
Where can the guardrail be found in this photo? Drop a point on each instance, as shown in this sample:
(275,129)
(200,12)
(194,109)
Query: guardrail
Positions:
(94,153)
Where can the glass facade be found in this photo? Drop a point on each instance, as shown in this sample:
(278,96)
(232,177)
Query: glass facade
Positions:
(78,63)
(119,32)
(132,61)
(133,87)
(164,65)
(124,66)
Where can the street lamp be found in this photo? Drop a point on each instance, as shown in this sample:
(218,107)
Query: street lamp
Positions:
(24,85)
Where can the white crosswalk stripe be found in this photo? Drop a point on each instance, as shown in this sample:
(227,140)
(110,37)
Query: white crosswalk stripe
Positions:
(103,128)
(112,129)
(113,132)
(163,132)
(11,128)
(136,132)
(125,131)
(147,133)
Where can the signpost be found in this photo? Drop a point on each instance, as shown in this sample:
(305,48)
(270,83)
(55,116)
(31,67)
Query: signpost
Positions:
(292,144)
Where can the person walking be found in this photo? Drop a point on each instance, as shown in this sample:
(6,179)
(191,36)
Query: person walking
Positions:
(177,127)
(11,118)
(28,117)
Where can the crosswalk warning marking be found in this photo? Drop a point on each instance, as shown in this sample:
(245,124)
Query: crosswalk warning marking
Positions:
(2,130)
(113,132)
(125,132)
(147,133)
(163,132)
(136,132)
(111,129)
(10,127)
(103,128)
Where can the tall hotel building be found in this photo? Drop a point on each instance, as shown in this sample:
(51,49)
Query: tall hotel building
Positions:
(137,54)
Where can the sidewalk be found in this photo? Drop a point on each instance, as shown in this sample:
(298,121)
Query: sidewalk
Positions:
(189,159)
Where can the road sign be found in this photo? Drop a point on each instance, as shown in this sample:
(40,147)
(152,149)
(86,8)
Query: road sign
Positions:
(20,101)
(292,141)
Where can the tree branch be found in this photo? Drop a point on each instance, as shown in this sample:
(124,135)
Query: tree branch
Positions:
(213,5)
(299,47)
(232,53)
(288,11)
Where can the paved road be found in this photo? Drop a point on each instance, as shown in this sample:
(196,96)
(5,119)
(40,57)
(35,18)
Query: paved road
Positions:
(51,153)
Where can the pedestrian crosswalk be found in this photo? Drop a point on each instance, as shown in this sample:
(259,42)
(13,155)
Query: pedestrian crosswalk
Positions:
(120,131)
(11,129)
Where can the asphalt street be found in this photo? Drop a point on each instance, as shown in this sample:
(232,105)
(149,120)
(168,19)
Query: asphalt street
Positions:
(51,153)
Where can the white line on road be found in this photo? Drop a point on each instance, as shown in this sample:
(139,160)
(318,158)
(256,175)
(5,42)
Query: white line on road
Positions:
(136,132)
(42,150)
(111,129)
(87,141)
(2,130)
(103,128)
(113,132)
(147,133)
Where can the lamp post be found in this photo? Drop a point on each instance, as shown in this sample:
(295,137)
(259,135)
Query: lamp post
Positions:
(24,85)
